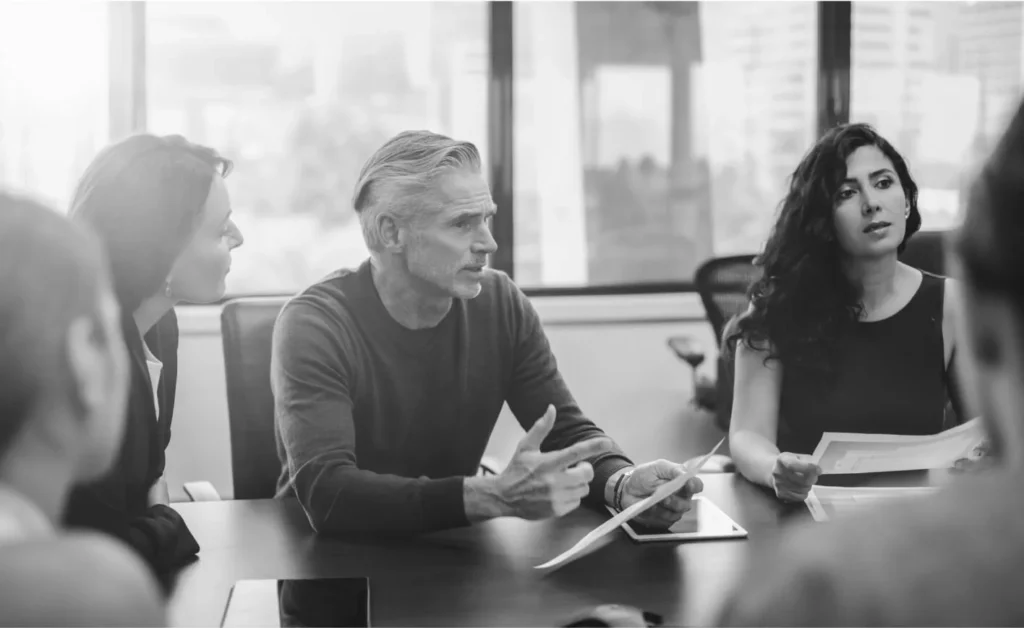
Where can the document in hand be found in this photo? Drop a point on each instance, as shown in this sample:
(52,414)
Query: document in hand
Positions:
(828,502)
(841,452)
(661,493)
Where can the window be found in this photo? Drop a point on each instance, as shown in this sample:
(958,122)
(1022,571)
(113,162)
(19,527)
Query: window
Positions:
(53,95)
(944,109)
(653,135)
(920,12)
(871,8)
(867,27)
(647,138)
(299,95)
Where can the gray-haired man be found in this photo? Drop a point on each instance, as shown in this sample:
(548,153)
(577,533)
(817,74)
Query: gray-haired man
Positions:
(388,379)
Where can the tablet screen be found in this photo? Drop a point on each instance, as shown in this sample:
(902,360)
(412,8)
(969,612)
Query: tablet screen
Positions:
(704,520)
(313,602)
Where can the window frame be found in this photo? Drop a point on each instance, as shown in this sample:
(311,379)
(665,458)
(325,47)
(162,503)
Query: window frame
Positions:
(128,115)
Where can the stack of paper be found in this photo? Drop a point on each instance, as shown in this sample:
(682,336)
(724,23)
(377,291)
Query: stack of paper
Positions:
(828,502)
(840,452)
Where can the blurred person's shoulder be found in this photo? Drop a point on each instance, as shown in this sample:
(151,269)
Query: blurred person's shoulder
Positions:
(950,558)
(77,579)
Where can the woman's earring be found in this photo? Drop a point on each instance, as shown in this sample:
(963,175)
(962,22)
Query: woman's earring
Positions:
(167,289)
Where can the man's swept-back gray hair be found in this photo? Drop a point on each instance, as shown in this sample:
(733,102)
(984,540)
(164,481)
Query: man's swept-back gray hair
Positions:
(397,179)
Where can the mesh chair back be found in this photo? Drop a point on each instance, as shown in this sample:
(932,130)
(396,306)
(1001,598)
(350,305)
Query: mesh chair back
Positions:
(722,284)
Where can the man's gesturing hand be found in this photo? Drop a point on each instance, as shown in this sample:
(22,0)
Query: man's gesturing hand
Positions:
(645,480)
(538,485)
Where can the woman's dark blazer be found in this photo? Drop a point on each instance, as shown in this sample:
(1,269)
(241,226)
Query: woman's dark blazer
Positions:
(118,503)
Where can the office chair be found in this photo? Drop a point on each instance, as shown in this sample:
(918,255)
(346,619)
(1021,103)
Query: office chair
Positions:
(722,285)
(247,326)
(926,251)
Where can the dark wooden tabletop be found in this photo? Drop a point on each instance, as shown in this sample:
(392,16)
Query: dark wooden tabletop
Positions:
(484,575)
(477,576)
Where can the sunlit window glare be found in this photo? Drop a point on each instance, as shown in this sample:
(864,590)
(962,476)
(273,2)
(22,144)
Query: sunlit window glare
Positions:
(53,94)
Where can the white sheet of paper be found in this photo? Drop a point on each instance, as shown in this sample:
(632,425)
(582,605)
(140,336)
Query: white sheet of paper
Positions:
(827,501)
(661,493)
(842,452)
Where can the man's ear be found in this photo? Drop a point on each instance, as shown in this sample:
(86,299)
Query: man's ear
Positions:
(982,322)
(85,364)
(990,325)
(391,234)
(986,345)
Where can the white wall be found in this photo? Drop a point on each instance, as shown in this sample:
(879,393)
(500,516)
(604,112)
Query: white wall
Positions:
(611,350)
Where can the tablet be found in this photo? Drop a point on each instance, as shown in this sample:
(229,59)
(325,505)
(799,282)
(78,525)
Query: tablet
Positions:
(703,522)
(313,602)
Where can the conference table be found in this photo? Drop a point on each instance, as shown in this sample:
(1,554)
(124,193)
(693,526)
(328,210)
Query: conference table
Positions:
(482,575)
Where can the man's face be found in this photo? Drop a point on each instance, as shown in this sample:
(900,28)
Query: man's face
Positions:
(446,247)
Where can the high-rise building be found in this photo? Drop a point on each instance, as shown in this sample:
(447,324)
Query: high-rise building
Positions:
(774,44)
(939,80)
(990,38)
(759,94)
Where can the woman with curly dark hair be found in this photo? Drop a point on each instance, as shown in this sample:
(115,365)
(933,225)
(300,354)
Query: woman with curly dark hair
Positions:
(840,335)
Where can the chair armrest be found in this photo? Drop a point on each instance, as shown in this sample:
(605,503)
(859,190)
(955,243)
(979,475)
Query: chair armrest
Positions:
(201,492)
(687,349)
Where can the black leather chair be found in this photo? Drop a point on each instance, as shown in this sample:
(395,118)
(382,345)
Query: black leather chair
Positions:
(247,326)
(926,251)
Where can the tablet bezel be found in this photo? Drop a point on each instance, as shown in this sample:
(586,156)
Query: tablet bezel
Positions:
(739,532)
(275,582)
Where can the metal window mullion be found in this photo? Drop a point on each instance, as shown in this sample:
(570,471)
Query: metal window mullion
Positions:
(501,125)
(834,56)
(127,68)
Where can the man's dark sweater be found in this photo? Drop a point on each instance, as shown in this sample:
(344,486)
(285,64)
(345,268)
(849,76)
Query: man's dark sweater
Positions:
(378,425)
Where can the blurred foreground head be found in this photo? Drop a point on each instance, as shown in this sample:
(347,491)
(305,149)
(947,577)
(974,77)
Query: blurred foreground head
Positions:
(63,364)
(989,250)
